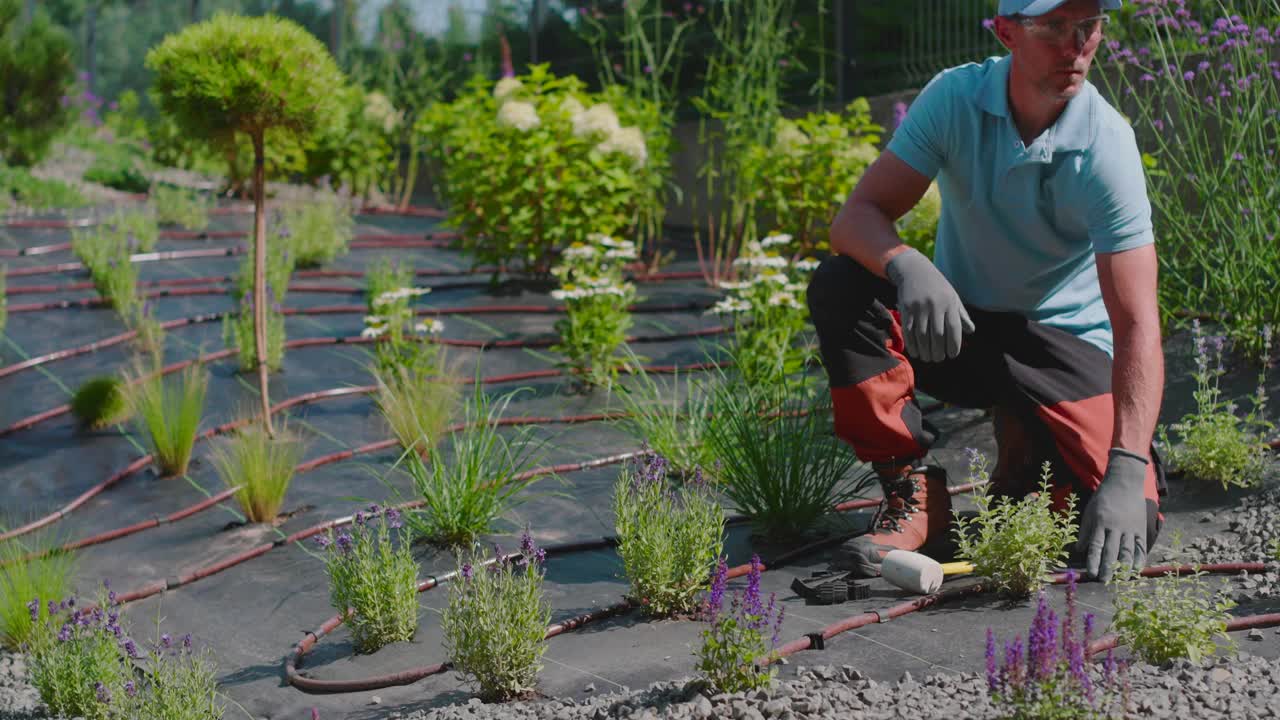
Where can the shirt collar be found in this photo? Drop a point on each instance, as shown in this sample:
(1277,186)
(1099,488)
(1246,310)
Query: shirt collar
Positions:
(1072,130)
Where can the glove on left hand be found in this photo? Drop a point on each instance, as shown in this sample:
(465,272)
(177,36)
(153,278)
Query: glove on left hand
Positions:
(1114,525)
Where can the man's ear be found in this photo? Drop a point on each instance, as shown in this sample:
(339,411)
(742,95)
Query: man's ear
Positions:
(1006,31)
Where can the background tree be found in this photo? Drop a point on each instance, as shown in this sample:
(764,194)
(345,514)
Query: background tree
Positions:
(35,73)
(236,75)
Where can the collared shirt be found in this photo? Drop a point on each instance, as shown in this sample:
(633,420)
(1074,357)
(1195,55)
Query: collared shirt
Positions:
(1020,223)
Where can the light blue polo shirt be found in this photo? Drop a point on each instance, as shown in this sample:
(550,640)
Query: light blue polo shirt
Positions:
(1020,225)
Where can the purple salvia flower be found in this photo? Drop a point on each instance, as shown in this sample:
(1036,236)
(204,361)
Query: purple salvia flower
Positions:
(777,626)
(1109,668)
(751,601)
(102,692)
(1089,626)
(715,602)
(1013,662)
(1042,651)
(993,676)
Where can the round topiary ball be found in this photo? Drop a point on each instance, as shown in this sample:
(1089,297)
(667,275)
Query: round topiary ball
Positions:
(100,402)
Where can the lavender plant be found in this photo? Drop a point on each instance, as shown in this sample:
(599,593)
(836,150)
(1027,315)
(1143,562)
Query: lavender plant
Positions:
(107,253)
(316,232)
(238,332)
(261,466)
(1218,445)
(597,299)
(78,660)
(178,683)
(496,622)
(1048,678)
(30,566)
(177,206)
(1015,542)
(669,535)
(168,413)
(373,578)
(1200,82)
(1171,617)
(735,655)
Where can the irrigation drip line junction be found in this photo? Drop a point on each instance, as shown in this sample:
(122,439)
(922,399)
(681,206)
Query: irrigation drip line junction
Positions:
(258,596)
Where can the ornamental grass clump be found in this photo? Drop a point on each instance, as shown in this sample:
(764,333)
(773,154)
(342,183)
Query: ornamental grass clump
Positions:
(373,578)
(496,621)
(101,402)
(181,207)
(168,413)
(261,466)
(780,463)
(477,479)
(1015,542)
(1174,616)
(736,651)
(318,231)
(672,418)
(1047,677)
(597,299)
(1218,445)
(766,308)
(669,535)
(30,566)
(419,397)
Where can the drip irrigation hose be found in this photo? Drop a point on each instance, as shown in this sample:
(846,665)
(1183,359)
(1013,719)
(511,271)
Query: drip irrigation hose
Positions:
(216,279)
(62,224)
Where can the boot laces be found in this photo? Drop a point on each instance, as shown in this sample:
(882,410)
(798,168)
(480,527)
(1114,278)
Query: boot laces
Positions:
(891,515)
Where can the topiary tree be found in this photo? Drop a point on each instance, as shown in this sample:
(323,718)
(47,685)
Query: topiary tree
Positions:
(36,67)
(234,75)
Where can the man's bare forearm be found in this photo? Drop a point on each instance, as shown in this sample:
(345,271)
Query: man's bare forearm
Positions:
(1137,386)
(861,231)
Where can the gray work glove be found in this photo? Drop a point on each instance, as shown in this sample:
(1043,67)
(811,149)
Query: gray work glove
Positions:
(933,318)
(1114,525)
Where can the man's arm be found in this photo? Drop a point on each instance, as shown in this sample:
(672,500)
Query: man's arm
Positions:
(1128,283)
(863,229)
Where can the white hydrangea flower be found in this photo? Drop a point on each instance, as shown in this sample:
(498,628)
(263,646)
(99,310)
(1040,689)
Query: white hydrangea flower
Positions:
(628,141)
(784,299)
(598,119)
(790,138)
(775,240)
(806,265)
(505,87)
(378,108)
(579,250)
(518,114)
(429,327)
(730,306)
(572,107)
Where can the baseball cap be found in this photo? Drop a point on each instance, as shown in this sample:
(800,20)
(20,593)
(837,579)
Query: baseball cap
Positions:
(1031,8)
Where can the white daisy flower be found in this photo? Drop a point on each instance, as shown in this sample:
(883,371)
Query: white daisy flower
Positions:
(734,285)
(776,278)
(621,254)
(761,261)
(784,299)
(579,250)
(432,327)
(506,86)
(775,240)
(598,119)
(729,306)
(518,114)
(374,320)
(806,265)
(373,332)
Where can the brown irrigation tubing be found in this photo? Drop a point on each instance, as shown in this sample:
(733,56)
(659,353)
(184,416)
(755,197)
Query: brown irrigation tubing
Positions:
(364,241)
(410,211)
(215,279)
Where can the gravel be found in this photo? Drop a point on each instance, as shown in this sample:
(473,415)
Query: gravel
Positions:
(1250,537)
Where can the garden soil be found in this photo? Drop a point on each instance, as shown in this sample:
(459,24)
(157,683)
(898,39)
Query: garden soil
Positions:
(253,614)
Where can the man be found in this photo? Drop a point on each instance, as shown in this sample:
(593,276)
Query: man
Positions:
(1045,271)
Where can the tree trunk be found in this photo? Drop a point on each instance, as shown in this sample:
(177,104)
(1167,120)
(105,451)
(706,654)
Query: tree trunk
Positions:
(260,275)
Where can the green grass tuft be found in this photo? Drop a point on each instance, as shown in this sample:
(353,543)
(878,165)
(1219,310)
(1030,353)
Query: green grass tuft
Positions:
(261,466)
(168,412)
(23,580)
(101,402)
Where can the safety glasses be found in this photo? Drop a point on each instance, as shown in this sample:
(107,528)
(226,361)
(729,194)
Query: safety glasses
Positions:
(1059,31)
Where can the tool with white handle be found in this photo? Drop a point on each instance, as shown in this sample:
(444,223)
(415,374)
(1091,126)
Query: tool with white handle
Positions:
(918,573)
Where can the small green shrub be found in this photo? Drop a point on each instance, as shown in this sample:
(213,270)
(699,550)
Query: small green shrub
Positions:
(495,625)
(237,332)
(150,338)
(261,466)
(100,402)
(598,301)
(357,149)
(673,419)
(736,640)
(168,414)
(317,232)
(476,480)
(118,166)
(180,683)
(48,574)
(36,64)
(176,206)
(37,193)
(79,666)
(1015,542)
(126,121)
(1171,617)
(1217,444)
(669,536)
(373,578)
(780,462)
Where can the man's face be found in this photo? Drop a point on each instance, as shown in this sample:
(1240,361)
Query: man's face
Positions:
(1054,51)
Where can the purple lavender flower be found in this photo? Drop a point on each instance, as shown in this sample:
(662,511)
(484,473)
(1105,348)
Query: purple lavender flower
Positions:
(52,608)
(359,518)
(540,556)
(323,542)
(131,648)
(166,641)
(103,694)
(751,601)
(344,542)
(186,641)
(988,23)
(526,544)
(33,607)
(467,571)
(65,633)
(394,521)
(130,688)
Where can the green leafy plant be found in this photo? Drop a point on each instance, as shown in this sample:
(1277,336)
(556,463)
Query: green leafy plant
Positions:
(805,172)
(248,76)
(180,683)
(382,281)
(121,167)
(1015,542)
(125,119)
(100,402)
(36,64)
(168,413)
(767,310)
(735,653)
(30,191)
(279,268)
(496,622)
(533,164)
(392,319)
(262,467)
(79,666)
(357,150)
(373,578)
(780,463)
(176,206)
(919,227)
(1175,616)
(1217,444)
(318,231)
(238,332)
(108,254)
(33,566)
(673,419)
(1048,677)
(598,301)
(669,535)
(476,480)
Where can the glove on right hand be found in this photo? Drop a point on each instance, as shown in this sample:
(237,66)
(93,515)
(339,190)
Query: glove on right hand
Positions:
(933,318)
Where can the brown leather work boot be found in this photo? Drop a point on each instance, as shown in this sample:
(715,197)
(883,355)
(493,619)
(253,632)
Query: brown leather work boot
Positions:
(916,510)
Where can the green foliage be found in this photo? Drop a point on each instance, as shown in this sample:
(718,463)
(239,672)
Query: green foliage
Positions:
(36,64)
(1218,445)
(669,536)
(357,149)
(181,683)
(4,300)
(373,580)
(176,206)
(75,665)
(1171,617)
(919,227)
(386,276)
(476,480)
(118,166)
(416,396)
(280,266)
(496,622)
(316,232)
(734,650)
(391,317)
(672,419)
(261,466)
(168,414)
(237,332)
(598,300)
(1015,542)
(807,169)
(534,164)
(780,462)
(107,252)
(100,402)
(125,120)
(30,567)
(39,194)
